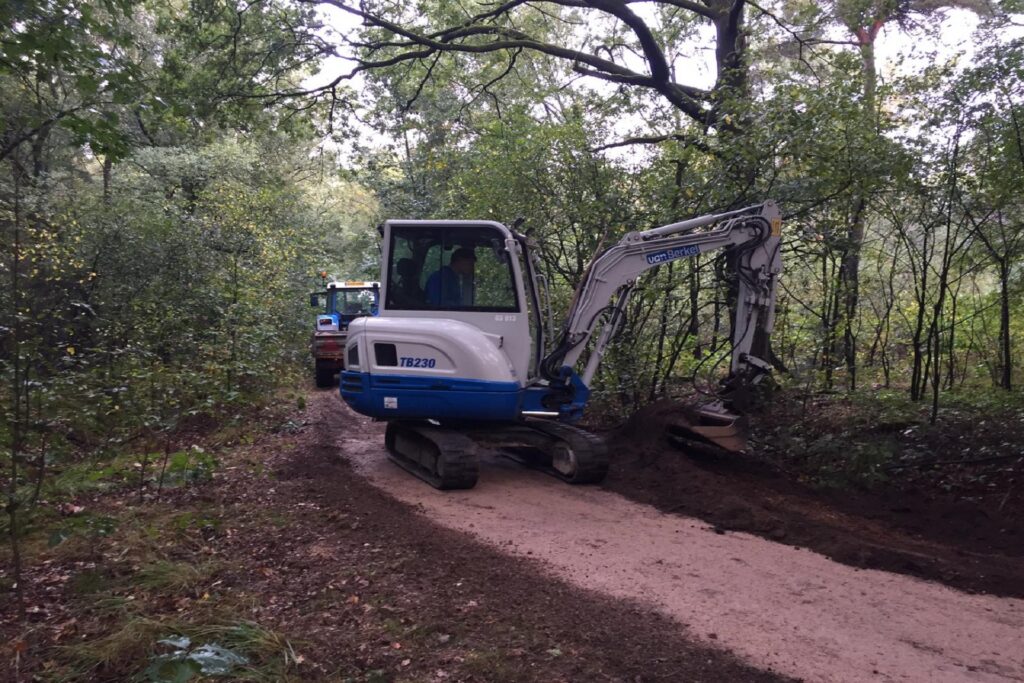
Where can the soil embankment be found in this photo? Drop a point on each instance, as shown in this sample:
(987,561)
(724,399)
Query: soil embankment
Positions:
(956,543)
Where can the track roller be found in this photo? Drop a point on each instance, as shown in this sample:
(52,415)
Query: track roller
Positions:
(569,453)
(443,458)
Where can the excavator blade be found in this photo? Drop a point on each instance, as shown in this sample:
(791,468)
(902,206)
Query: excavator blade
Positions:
(724,430)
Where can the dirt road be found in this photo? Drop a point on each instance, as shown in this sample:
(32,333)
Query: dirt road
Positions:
(773,605)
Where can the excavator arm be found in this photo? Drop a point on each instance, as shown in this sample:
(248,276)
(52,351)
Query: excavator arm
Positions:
(751,237)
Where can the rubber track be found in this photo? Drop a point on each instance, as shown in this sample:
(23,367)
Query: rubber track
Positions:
(457,453)
(590,450)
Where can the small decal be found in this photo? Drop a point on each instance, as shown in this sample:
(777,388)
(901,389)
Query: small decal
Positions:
(776,227)
(505,318)
(407,362)
(391,402)
(672,254)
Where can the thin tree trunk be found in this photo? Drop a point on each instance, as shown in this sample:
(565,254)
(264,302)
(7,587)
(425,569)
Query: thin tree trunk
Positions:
(163,465)
(16,427)
(40,473)
(108,165)
(947,259)
(693,330)
(850,285)
(917,375)
(1005,350)
(951,341)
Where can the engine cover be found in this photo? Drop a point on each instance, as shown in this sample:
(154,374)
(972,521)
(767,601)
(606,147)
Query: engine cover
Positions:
(428,369)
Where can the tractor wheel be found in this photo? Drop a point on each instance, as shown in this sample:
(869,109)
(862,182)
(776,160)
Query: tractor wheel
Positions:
(324,375)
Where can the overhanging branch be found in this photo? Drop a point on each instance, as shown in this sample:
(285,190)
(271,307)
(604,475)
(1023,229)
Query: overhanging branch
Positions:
(479,35)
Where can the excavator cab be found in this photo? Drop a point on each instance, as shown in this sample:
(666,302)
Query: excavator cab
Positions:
(465,272)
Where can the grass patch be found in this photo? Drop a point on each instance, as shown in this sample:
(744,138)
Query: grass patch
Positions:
(165,576)
(492,665)
(877,438)
(137,596)
(92,475)
(130,649)
(91,581)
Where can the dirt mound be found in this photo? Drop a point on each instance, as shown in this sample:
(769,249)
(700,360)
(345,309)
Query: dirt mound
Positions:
(950,541)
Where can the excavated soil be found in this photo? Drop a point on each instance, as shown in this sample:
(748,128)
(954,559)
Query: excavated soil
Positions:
(955,542)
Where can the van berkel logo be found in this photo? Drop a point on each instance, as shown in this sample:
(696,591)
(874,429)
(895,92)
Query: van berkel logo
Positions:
(673,254)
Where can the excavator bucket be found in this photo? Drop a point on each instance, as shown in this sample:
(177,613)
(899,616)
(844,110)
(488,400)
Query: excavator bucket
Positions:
(721,429)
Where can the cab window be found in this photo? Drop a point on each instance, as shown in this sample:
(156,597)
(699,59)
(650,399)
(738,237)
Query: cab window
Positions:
(450,269)
(356,301)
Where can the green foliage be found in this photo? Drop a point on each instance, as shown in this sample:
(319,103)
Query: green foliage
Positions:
(189,466)
(66,47)
(159,232)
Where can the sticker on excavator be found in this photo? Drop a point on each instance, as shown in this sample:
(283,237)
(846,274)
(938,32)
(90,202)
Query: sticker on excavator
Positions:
(776,227)
(672,254)
(391,402)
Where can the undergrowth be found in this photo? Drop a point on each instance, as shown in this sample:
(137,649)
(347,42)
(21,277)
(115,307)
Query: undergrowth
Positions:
(880,438)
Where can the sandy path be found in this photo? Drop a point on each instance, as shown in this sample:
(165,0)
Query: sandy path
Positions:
(777,607)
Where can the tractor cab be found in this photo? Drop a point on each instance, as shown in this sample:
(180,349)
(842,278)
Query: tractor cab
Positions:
(343,302)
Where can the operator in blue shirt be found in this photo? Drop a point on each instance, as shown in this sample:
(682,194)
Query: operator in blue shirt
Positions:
(452,285)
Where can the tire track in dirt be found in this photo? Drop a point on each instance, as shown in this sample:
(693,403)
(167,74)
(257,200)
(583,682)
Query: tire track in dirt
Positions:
(773,605)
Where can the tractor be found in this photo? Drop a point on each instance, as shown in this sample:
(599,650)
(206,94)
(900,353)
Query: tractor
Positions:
(339,303)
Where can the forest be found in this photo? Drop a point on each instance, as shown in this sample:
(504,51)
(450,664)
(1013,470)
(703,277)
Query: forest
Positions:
(174,175)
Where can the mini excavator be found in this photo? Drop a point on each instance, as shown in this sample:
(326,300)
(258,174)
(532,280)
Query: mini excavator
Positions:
(459,357)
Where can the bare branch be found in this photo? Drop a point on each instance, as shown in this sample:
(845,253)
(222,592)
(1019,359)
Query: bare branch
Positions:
(475,36)
(423,81)
(652,140)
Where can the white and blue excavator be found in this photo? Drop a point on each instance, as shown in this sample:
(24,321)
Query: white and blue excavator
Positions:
(462,354)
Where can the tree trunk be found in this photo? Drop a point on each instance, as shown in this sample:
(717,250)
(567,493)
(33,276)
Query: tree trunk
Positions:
(16,426)
(1006,357)
(729,48)
(662,334)
(850,267)
(108,166)
(693,329)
